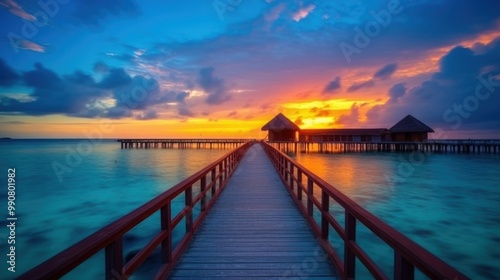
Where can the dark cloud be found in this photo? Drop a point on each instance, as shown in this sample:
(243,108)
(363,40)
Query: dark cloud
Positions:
(101,67)
(381,74)
(142,93)
(95,12)
(352,118)
(148,115)
(324,113)
(358,86)
(116,77)
(396,92)
(80,78)
(332,86)
(185,112)
(213,86)
(462,94)
(424,25)
(385,72)
(118,112)
(41,77)
(79,95)
(55,95)
(8,76)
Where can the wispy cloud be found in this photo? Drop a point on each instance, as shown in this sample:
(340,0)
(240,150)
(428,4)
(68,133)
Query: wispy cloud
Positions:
(303,12)
(32,46)
(15,9)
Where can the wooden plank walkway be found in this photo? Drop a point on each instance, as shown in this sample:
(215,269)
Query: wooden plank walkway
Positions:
(254,230)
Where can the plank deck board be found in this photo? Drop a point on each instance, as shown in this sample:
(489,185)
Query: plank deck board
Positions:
(255,230)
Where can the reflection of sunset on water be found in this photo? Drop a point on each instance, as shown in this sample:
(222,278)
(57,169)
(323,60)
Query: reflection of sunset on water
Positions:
(359,176)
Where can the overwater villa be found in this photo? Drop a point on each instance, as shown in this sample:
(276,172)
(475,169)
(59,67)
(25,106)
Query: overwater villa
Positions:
(409,129)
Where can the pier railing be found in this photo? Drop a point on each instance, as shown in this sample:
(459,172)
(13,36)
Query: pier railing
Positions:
(181,143)
(303,184)
(209,182)
(465,141)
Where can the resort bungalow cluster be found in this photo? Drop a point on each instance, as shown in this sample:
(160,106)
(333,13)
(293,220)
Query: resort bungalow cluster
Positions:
(409,129)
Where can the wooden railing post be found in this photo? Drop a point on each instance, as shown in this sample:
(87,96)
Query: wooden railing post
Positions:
(114,259)
(188,195)
(214,186)
(349,256)
(221,175)
(325,208)
(291,177)
(285,170)
(203,184)
(225,168)
(299,188)
(403,270)
(310,194)
(166,224)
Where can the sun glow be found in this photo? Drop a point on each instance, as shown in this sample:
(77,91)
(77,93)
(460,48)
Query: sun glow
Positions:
(333,104)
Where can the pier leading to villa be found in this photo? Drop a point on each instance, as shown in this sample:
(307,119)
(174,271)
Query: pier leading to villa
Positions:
(243,218)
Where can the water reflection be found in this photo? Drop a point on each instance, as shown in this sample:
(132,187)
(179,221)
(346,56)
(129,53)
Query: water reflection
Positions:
(361,177)
(448,204)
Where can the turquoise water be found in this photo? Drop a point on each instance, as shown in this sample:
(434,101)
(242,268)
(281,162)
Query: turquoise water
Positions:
(105,184)
(447,203)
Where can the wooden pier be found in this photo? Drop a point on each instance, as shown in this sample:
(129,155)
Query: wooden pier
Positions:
(429,146)
(181,143)
(254,230)
(241,220)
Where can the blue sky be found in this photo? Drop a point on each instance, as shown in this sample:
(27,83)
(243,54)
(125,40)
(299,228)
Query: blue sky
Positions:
(224,67)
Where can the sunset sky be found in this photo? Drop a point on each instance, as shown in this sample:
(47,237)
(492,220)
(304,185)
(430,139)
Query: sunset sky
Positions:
(223,68)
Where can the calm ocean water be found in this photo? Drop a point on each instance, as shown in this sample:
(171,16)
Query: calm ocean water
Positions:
(448,203)
(106,184)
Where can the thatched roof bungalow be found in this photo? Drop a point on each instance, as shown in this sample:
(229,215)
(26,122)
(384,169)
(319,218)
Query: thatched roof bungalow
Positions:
(410,129)
(281,129)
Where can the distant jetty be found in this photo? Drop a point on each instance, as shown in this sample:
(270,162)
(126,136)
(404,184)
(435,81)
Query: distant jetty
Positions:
(182,143)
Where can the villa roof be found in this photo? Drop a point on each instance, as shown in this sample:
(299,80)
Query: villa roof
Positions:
(279,123)
(410,124)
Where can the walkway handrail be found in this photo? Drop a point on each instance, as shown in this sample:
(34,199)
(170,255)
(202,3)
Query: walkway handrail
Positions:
(110,237)
(407,254)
